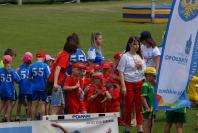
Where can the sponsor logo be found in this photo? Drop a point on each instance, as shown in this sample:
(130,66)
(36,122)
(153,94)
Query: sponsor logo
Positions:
(188,45)
(177,59)
(188,9)
(181,58)
(81,116)
(100,122)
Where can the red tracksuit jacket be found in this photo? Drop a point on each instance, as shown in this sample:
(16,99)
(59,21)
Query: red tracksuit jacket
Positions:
(75,103)
(113,104)
(96,106)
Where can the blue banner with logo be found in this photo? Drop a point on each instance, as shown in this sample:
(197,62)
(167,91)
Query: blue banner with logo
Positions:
(179,60)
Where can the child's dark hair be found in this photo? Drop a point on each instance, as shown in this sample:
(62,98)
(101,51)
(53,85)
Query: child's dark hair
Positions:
(10,52)
(76,37)
(71,44)
(146,36)
(130,41)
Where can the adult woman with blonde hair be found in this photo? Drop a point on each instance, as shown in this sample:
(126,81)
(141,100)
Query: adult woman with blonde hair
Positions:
(95,55)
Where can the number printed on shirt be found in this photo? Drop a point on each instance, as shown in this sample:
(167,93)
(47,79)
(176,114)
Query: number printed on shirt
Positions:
(3,78)
(38,71)
(81,58)
(7,78)
(23,75)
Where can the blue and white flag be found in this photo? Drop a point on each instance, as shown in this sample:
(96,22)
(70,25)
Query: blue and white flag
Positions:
(179,60)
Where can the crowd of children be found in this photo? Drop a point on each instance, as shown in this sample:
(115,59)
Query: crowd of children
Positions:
(66,85)
(88,89)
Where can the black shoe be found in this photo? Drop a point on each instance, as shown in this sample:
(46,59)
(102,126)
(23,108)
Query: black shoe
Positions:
(140,132)
(17,119)
(126,131)
(26,111)
(4,119)
(154,116)
(38,116)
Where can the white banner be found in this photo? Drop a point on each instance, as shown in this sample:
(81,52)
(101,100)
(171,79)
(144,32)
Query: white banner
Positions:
(78,123)
(179,56)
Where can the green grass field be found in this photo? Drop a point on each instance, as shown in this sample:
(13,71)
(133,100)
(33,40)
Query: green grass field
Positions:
(45,27)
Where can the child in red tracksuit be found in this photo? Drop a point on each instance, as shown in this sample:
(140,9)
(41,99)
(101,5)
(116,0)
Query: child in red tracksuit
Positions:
(116,57)
(110,62)
(75,94)
(89,71)
(84,79)
(107,70)
(115,76)
(98,94)
(87,85)
(97,68)
(112,94)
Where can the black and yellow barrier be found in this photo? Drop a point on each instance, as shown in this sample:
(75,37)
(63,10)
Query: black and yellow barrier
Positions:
(142,14)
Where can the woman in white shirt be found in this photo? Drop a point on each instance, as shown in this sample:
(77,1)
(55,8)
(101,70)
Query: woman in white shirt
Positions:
(150,51)
(131,69)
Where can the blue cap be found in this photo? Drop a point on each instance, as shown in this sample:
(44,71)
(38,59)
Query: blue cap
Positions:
(145,35)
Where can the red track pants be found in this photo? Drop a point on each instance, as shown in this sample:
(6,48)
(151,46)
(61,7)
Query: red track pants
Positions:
(133,99)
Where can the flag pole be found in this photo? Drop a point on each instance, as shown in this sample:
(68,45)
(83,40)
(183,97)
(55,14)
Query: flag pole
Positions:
(19,2)
(153,11)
